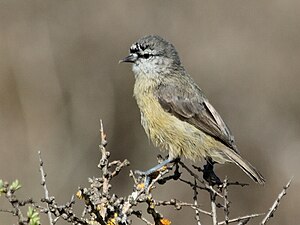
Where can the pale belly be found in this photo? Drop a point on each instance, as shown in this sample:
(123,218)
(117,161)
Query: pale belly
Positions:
(177,137)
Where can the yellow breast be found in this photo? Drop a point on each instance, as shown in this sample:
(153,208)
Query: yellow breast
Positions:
(166,131)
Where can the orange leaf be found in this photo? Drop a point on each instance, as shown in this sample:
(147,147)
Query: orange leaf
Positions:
(165,221)
(140,186)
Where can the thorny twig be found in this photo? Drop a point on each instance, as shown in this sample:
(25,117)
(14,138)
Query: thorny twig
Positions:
(103,207)
(196,202)
(243,222)
(206,186)
(213,207)
(241,218)
(16,204)
(179,204)
(138,214)
(226,202)
(276,203)
(46,192)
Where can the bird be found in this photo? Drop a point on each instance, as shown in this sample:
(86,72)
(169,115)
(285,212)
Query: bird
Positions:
(175,113)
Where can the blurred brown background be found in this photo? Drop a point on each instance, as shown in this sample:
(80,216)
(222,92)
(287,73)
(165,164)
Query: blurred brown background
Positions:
(59,74)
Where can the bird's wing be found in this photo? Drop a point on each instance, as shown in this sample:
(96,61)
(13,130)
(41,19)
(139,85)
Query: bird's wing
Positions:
(188,103)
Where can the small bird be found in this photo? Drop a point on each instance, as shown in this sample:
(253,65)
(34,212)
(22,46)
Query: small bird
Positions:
(175,113)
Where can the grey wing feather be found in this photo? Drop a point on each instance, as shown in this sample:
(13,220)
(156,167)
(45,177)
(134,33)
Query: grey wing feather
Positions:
(190,104)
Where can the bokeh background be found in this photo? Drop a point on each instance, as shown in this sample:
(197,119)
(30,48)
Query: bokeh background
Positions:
(59,74)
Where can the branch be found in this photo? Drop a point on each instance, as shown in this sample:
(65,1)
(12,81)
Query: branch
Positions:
(206,186)
(226,202)
(213,208)
(196,202)
(178,205)
(102,207)
(276,203)
(46,192)
(241,218)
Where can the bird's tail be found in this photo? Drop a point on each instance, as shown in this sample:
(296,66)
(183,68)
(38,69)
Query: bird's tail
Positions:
(250,170)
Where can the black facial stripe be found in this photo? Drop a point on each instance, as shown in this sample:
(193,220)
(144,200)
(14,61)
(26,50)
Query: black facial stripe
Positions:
(143,47)
(139,50)
(145,55)
(134,48)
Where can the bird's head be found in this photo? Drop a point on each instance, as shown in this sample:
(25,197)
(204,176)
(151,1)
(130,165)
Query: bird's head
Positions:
(152,55)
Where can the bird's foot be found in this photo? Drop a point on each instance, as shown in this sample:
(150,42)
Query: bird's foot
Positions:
(146,177)
(152,173)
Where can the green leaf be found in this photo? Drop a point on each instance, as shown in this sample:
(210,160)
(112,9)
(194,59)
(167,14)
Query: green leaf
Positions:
(15,185)
(2,188)
(33,215)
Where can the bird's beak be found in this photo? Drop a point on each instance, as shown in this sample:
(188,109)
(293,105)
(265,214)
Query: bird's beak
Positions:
(131,58)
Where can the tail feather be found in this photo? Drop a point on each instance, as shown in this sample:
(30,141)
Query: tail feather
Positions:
(250,170)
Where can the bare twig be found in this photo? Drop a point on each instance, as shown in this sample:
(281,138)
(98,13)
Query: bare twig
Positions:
(196,202)
(243,222)
(139,215)
(241,218)
(226,202)
(192,185)
(206,186)
(157,217)
(213,207)
(179,204)
(7,211)
(159,176)
(103,163)
(46,192)
(237,184)
(119,165)
(276,203)
(9,191)
(102,207)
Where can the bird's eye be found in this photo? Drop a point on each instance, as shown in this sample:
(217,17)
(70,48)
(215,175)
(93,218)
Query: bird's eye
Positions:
(146,55)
